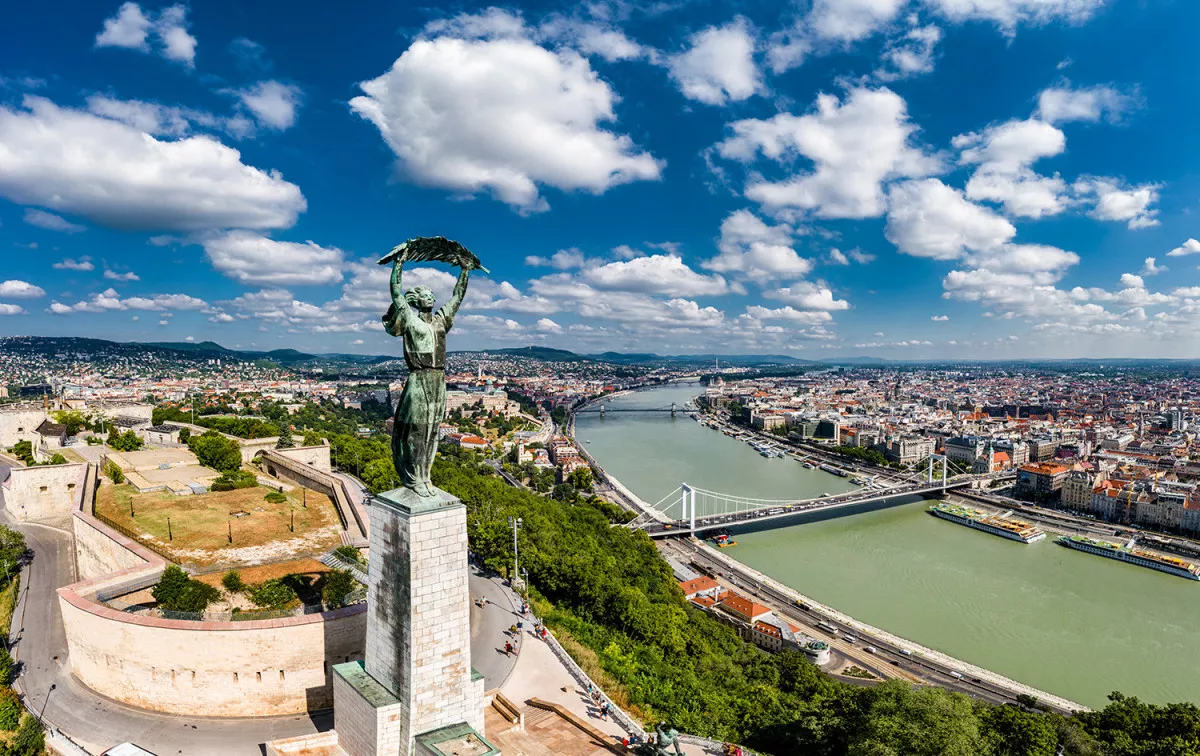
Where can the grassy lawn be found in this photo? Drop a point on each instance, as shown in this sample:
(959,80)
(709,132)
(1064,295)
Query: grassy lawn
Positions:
(201,522)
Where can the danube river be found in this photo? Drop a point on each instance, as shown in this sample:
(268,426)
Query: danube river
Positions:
(1063,621)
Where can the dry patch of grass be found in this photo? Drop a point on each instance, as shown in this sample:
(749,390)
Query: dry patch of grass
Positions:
(198,527)
(8,603)
(265,572)
(588,661)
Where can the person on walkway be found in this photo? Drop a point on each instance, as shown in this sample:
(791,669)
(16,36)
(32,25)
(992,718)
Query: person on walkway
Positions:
(508,648)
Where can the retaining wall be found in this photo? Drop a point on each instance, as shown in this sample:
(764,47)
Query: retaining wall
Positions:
(45,495)
(211,669)
(253,668)
(313,456)
(100,550)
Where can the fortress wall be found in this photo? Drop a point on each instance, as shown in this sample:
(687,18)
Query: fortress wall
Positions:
(212,669)
(100,550)
(314,456)
(45,495)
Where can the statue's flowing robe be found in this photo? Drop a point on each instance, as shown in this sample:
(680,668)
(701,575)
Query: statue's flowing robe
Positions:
(422,405)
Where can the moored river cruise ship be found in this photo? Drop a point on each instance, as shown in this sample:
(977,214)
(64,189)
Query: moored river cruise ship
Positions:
(1015,530)
(1132,555)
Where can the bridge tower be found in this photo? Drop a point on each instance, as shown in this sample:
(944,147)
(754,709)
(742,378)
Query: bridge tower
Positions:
(672,409)
(688,506)
(932,457)
(601,409)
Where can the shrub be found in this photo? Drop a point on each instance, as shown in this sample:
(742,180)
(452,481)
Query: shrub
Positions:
(233,582)
(114,473)
(350,552)
(127,441)
(10,709)
(6,665)
(234,480)
(57,459)
(23,450)
(29,740)
(272,594)
(338,585)
(177,592)
(275,497)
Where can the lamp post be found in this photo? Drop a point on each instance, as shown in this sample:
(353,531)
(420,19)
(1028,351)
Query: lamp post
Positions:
(516,525)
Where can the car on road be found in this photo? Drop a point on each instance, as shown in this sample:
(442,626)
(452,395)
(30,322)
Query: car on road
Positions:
(956,675)
(126,749)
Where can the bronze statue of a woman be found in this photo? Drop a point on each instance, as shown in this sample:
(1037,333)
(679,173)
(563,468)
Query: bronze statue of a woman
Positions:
(411,316)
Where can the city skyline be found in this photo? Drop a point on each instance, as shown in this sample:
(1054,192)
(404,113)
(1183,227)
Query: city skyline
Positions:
(907,180)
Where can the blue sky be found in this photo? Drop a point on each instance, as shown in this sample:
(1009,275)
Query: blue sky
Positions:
(903,178)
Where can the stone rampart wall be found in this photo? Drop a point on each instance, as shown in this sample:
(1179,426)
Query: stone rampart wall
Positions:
(17,423)
(313,456)
(45,495)
(252,446)
(212,669)
(100,550)
(253,668)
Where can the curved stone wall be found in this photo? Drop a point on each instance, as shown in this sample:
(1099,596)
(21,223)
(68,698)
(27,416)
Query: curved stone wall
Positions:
(255,668)
(210,669)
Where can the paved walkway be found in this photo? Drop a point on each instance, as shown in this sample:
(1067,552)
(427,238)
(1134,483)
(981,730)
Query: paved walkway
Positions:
(539,674)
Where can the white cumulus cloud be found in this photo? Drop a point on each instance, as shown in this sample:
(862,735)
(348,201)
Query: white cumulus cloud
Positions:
(757,251)
(656,274)
(13,289)
(253,258)
(855,144)
(273,103)
(43,219)
(718,66)
(926,218)
(132,27)
(118,176)
(1116,201)
(1090,104)
(501,115)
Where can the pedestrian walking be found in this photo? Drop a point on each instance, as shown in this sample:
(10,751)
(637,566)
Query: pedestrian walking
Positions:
(508,648)
(520,626)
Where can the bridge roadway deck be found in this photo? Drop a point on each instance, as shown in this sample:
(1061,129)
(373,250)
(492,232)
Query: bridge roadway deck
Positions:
(770,513)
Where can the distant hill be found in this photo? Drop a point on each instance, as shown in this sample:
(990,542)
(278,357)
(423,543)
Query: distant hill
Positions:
(546,354)
(51,345)
(642,358)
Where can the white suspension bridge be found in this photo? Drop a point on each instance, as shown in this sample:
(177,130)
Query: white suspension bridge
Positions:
(689,509)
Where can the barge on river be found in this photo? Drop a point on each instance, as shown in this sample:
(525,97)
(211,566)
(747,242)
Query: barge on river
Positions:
(1132,555)
(1000,525)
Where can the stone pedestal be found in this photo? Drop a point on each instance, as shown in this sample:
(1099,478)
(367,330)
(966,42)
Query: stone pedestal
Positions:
(416,677)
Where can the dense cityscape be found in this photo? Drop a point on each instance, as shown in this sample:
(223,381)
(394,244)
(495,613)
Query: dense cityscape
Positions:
(1093,455)
(817,378)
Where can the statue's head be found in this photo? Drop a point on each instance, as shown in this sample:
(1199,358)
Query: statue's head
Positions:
(420,298)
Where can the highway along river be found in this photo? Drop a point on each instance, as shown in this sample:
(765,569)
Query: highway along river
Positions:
(1063,621)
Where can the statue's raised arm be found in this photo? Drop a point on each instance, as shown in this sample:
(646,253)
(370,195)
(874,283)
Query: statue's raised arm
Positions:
(399,313)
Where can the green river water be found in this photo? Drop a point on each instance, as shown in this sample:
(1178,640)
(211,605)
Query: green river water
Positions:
(1067,622)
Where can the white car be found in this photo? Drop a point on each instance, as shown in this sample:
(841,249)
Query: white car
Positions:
(126,749)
